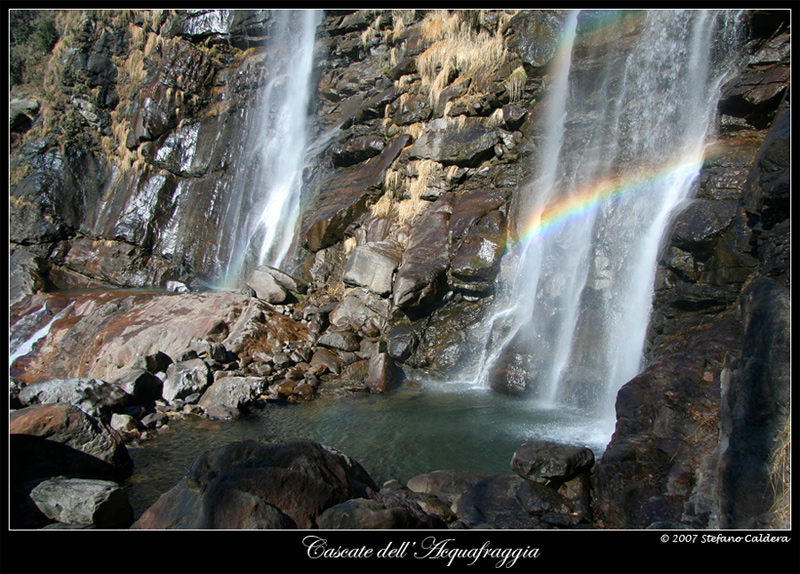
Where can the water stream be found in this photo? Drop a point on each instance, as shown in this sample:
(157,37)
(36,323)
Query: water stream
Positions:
(629,117)
(271,185)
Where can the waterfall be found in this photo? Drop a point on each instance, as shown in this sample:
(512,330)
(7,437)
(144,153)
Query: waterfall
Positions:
(630,108)
(271,181)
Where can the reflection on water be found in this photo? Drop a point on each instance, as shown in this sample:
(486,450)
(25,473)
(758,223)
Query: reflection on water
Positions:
(399,435)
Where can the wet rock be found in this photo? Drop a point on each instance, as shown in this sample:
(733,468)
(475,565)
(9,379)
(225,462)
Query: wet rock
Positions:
(697,227)
(383,375)
(450,143)
(361,513)
(754,412)
(422,273)
(327,360)
(372,266)
(93,396)
(355,150)
(477,260)
(298,477)
(185,378)
(551,464)
(344,196)
(428,510)
(81,501)
(61,440)
(402,340)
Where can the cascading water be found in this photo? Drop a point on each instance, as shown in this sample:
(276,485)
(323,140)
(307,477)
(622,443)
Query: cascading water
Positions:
(627,122)
(271,182)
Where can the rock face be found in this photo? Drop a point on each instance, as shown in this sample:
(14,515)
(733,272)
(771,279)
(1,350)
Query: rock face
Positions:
(685,423)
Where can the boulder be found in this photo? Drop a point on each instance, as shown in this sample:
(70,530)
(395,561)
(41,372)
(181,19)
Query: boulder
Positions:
(361,310)
(238,485)
(551,464)
(62,440)
(372,266)
(383,375)
(340,341)
(508,501)
(82,501)
(450,142)
(266,286)
(154,362)
(402,340)
(93,396)
(142,386)
(445,484)
(361,513)
(323,358)
(234,392)
(124,423)
(185,378)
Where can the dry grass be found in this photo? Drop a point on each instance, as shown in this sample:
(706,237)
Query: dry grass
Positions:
(780,477)
(457,49)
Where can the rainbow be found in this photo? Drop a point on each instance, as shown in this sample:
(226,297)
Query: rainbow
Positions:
(580,203)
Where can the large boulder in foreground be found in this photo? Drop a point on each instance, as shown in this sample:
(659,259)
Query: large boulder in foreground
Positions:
(61,440)
(251,484)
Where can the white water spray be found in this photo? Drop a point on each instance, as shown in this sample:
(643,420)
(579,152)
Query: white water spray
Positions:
(264,223)
(623,145)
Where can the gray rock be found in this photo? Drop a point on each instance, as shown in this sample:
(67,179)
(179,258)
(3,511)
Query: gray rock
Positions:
(185,378)
(372,266)
(445,484)
(124,423)
(267,287)
(81,501)
(550,463)
(451,143)
(142,386)
(340,340)
(154,363)
(93,396)
(361,310)
(154,420)
(234,392)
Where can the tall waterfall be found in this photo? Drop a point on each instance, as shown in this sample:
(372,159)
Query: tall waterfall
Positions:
(629,114)
(264,222)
